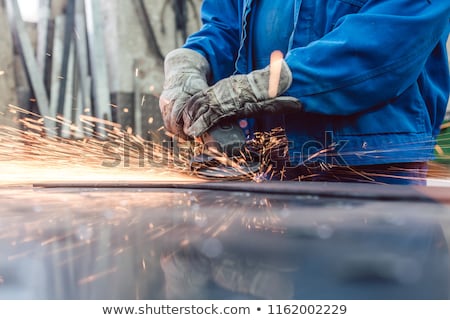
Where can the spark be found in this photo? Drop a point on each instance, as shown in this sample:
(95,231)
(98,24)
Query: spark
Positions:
(119,251)
(49,241)
(96,276)
(162,231)
(184,243)
(439,150)
(19,255)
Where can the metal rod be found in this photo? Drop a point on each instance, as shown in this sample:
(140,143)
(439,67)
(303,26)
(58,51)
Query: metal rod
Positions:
(57,56)
(67,40)
(137,110)
(97,54)
(32,68)
(152,43)
(42,30)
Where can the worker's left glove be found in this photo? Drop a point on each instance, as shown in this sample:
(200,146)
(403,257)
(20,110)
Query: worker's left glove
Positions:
(186,72)
(238,96)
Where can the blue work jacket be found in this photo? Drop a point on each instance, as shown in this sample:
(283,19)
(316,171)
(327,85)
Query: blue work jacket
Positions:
(372,75)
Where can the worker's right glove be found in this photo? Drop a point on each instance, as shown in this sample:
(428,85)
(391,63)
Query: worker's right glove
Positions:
(186,73)
(198,120)
(240,96)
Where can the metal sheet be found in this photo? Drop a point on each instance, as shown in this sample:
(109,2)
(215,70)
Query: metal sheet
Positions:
(178,242)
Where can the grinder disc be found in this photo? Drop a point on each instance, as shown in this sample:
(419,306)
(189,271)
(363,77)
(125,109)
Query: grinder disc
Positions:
(223,155)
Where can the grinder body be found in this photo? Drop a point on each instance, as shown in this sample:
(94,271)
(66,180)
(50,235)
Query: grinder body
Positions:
(222,154)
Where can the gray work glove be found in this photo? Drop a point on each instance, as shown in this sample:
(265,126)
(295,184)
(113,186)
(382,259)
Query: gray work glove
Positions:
(186,73)
(238,96)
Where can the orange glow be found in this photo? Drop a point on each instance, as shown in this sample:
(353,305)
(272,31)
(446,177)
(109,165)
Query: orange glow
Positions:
(275,70)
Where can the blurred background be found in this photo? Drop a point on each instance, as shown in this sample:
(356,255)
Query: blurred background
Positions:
(95,58)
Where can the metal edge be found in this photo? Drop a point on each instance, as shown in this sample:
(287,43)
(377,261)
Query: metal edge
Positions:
(320,189)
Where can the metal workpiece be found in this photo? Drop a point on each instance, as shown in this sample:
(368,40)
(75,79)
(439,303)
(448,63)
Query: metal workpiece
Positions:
(238,241)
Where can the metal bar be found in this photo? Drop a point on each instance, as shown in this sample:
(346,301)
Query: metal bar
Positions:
(32,69)
(137,110)
(84,102)
(67,40)
(69,93)
(77,101)
(57,56)
(152,43)
(82,56)
(102,102)
(8,82)
(79,133)
(42,30)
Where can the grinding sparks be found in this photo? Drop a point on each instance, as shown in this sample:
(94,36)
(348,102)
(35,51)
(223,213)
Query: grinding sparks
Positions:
(35,153)
(29,156)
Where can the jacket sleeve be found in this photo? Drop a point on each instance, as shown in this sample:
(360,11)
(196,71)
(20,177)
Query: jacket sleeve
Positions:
(369,57)
(218,39)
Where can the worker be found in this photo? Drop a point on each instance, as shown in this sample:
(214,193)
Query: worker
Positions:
(361,90)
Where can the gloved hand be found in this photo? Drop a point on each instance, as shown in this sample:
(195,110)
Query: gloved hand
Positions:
(238,96)
(198,121)
(186,73)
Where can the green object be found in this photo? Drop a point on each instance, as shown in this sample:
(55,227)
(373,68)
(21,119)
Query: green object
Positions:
(442,150)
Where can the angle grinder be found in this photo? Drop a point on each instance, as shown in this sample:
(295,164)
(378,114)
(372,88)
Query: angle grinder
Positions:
(221,153)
